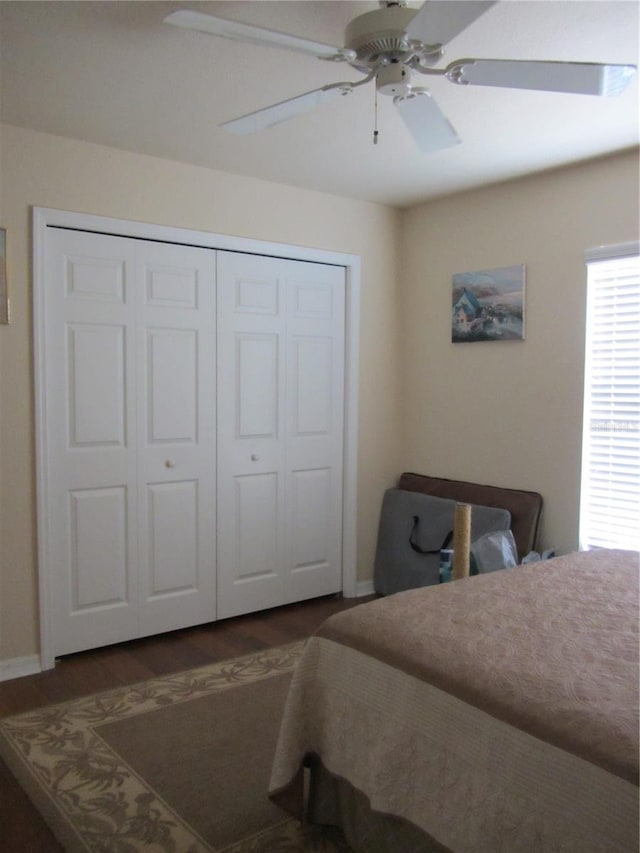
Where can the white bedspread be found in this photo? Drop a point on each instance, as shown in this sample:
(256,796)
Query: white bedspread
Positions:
(473,781)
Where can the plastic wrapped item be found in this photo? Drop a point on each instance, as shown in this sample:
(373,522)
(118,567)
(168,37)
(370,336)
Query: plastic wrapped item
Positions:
(446,564)
(535,557)
(493,551)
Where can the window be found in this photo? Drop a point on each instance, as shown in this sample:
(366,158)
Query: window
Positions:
(610,494)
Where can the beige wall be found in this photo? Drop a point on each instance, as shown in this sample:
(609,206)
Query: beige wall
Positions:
(509,413)
(41,170)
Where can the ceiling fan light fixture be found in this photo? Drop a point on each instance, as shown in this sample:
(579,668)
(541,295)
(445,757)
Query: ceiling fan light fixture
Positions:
(393,79)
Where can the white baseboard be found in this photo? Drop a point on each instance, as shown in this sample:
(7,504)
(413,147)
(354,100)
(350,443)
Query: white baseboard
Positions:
(364,588)
(19,667)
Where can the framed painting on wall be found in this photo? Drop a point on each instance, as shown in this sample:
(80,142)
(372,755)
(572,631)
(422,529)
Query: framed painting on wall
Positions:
(488,305)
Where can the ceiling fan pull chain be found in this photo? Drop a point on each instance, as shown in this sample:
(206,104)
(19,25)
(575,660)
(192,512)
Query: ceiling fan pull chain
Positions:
(375,118)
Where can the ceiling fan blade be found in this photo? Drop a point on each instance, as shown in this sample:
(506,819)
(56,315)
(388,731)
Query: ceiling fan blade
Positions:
(255,35)
(426,122)
(438,21)
(284,110)
(583,78)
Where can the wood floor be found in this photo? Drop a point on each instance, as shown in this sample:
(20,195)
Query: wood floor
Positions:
(22,830)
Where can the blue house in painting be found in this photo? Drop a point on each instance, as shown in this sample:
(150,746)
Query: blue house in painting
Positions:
(466,309)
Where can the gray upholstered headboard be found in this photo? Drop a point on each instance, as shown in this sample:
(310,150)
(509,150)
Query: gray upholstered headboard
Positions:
(525,507)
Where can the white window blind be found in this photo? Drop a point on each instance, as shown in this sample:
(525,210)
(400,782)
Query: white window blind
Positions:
(610,493)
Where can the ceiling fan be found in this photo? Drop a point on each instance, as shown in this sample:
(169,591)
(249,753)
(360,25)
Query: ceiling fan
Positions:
(395,44)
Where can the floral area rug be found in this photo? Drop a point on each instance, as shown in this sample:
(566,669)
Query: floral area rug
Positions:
(177,764)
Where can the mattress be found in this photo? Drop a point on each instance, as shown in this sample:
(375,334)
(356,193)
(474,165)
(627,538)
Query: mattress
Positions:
(496,713)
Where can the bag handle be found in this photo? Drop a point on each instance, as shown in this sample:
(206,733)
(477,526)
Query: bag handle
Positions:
(417,548)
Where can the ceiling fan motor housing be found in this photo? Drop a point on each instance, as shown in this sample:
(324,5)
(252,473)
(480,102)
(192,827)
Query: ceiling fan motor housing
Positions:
(379,34)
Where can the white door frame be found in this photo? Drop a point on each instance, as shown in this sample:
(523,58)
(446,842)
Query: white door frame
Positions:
(45,217)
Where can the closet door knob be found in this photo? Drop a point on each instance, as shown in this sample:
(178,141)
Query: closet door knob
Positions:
(254,457)
(169,463)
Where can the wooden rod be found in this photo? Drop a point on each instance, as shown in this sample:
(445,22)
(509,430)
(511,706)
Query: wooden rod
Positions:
(461,541)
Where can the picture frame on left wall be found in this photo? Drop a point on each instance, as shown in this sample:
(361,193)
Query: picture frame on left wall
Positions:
(4,286)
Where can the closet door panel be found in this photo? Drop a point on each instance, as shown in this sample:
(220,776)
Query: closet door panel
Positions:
(176,436)
(130,419)
(173,537)
(256,381)
(256,507)
(311,385)
(314,429)
(280,366)
(96,359)
(251,380)
(98,538)
(90,416)
(311,494)
(172,383)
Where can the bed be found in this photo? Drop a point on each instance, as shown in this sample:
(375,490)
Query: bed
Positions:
(497,713)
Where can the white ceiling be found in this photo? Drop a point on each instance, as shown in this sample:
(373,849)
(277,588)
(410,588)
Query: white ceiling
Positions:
(113,73)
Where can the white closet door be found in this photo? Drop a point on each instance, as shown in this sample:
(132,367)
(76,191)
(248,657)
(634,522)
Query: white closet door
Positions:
(314,429)
(129,403)
(91,438)
(280,431)
(176,435)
